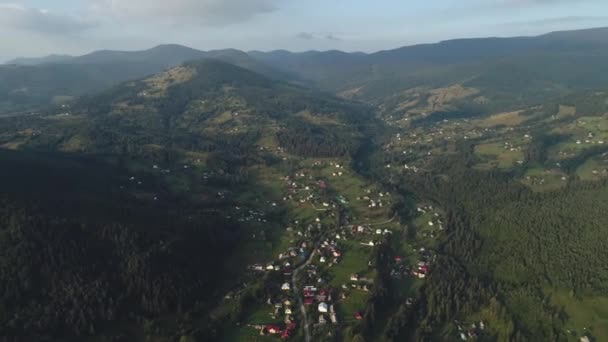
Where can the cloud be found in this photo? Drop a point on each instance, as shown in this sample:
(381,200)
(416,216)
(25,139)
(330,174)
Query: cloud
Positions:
(311,36)
(332,37)
(187,12)
(17,16)
(305,36)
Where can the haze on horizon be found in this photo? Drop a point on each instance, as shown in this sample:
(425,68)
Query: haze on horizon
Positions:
(41,27)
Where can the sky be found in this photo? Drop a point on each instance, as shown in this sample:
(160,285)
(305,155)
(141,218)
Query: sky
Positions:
(41,27)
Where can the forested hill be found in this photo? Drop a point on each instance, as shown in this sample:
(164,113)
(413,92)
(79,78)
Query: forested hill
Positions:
(119,208)
(536,67)
(506,72)
(202,106)
(31,84)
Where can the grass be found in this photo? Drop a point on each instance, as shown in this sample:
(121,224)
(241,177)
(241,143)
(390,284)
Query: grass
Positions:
(539,179)
(247,334)
(565,111)
(355,260)
(585,315)
(586,171)
(496,155)
(503,119)
(579,138)
(356,301)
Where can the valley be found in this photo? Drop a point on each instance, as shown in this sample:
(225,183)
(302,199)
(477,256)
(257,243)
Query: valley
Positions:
(227,199)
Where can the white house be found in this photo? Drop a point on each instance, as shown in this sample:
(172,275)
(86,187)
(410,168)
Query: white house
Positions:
(323,308)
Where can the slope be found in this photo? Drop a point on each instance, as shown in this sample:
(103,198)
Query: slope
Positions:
(23,87)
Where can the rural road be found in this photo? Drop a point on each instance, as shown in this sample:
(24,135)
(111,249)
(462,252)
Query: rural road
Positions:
(294,280)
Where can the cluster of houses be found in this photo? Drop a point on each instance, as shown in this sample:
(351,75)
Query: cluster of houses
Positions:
(472,331)
(375,202)
(359,283)
(324,303)
(273,329)
(420,270)
(434,222)
(247,215)
(319,299)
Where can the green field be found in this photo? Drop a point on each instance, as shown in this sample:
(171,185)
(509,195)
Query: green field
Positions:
(587,315)
(496,155)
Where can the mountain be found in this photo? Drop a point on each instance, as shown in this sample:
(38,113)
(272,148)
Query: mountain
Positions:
(40,60)
(195,104)
(215,202)
(150,173)
(165,55)
(556,62)
(25,86)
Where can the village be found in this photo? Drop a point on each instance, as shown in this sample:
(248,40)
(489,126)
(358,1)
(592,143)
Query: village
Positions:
(322,273)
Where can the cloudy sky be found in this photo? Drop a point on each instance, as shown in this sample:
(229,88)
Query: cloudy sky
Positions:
(41,27)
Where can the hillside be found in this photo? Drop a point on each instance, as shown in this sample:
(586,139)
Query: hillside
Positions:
(547,65)
(39,60)
(440,192)
(26,87)
(149,172)
(194,105)
(526,69)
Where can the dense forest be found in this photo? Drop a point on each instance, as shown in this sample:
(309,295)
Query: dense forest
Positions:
(505,246)
(81,255)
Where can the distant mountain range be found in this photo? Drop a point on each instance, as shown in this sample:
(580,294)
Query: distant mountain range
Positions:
(545,60)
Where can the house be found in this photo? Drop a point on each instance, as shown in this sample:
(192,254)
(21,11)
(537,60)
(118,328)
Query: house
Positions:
(308,301)
(354,277)
(286,287)
(273,329)
(288,311)
(323,308)
(322,260)
(379,231)
(358,315)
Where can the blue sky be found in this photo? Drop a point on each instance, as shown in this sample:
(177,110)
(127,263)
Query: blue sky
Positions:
(40,27)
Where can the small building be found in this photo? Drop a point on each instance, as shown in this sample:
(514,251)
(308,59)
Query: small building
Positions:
(286,287)
(323,307)
(274,329)
(358,315)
